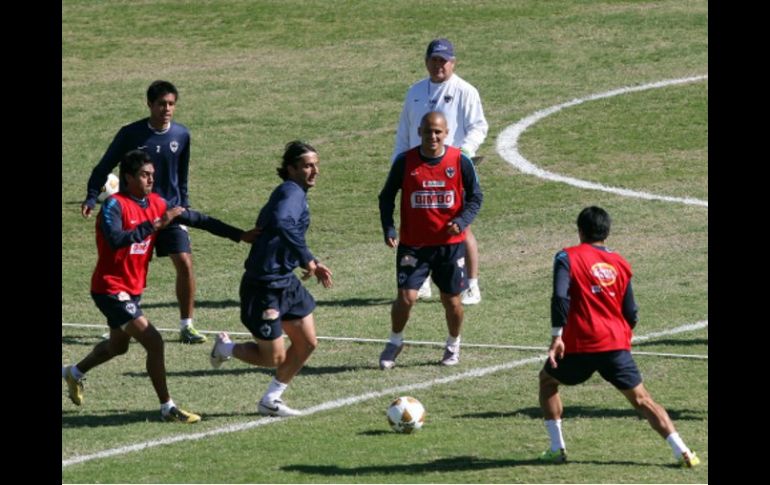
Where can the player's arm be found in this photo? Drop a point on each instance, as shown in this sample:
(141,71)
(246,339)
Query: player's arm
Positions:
(183,174)
(476,126)
(213,225)
(630,308)
(559,306)
(387,199)
(287,215)
(402,132)
(99,174)
(111,224)
(473,194)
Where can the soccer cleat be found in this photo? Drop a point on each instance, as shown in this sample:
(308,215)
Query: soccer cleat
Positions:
(189,335)
(471,296)
(451,355)
(425,291)
(388,356)
(556,457)
(276,408)
(689,460)
(217,357)
(74,386)
(180,416)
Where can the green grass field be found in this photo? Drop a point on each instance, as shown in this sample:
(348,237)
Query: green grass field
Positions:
(254,75)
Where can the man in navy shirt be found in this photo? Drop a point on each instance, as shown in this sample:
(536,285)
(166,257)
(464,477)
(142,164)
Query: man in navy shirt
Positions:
(273,300)
(168,145)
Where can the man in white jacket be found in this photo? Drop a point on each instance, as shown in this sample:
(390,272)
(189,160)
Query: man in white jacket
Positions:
(459,101)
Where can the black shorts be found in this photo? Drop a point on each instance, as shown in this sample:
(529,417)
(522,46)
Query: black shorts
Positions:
(616,367)
(292,303)
(445,264)
(119,309)
(173,239)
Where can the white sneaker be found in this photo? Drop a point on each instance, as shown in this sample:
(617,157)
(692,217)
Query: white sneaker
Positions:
(425,291)
(471,296)
(276,408)
(451,355)
(217,358)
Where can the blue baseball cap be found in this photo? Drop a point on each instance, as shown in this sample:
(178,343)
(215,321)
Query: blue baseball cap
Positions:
(442,48)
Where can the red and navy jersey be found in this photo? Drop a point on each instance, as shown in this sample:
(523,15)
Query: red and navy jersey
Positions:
(170,154)
(125,268)
(596,321)
(434,192)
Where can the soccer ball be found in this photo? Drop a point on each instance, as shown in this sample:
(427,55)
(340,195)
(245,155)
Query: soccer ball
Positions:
(406,414)
(110,187)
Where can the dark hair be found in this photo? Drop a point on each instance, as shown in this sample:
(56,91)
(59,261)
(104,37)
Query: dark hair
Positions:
(131,163)
(293,153)
(161,88)
(594,223)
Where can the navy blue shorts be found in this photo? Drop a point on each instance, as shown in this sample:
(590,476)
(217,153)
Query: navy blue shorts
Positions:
(119,309)
(292,303)
(173,239)
(445,264)
(616,367)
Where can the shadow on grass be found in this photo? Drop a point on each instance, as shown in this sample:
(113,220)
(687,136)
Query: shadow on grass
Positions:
(87,340)
(586,412)
(230,303)
(455,463)
(355,302)
(676,342)
(73,419)
(307,370)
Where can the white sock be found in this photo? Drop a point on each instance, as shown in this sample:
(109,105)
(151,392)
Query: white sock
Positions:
(76,372)
(184,323)
(677,445)
(473,282)
(396,338)
(166,406)
(452,341)
(554,431)
(274,390)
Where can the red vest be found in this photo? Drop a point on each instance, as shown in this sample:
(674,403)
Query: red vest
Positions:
(125,269)
(598,282)
(431,196)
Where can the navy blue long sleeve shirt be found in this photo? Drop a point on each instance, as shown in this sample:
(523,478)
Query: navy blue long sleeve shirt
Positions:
(170,154)
(281,247)
(117,237)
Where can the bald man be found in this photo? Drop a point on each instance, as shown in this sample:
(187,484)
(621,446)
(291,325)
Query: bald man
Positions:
(440,197)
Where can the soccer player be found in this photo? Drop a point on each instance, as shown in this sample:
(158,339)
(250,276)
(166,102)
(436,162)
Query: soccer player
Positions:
(440,196)
(445,91)
(273,300)
(593,312)
(168,145)
(126,231)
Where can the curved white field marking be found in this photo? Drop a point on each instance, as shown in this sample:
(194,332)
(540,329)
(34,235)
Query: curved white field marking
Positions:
(508,142)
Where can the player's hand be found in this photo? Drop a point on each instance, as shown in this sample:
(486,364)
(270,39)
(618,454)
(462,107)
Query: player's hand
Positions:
(556,351)
(453,228)
(251,235)
(391,242)
(320,271)
(167,217)
(85,210)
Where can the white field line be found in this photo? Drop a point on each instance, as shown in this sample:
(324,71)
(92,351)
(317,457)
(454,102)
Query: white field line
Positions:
(684,328)
(508,141)
(337,403)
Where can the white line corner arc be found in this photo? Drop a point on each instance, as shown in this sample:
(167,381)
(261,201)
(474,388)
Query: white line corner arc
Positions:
(508,141)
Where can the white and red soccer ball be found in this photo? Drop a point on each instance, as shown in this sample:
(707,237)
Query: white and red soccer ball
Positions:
(406,415)
(110,187)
